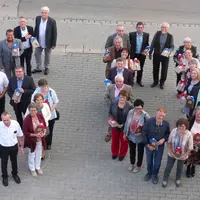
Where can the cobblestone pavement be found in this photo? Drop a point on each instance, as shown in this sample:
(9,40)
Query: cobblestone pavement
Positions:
(79,166)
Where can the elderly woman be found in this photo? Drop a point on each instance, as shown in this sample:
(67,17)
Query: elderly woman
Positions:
(34,129)
(187,44)
(50,97)
(133,128)
(180,143)
(112,93)
(194,158)
(118,112)
(115,52)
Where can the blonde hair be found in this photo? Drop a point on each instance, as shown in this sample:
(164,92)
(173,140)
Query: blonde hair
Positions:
(162,109)
(197,71)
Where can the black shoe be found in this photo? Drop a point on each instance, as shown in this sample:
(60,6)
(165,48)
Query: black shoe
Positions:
(162,86)
(5,181)
(164,184)
(155,179)
(46,71)
(17,179)
(140,83)
(121,158)
(193,171)
(147,177)
(154,84)
(36,71)
(48,147)
(188,171)
(114,157)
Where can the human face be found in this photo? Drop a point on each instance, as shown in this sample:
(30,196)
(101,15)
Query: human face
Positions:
(140,29)
(122,99)
(194,75)
(22,22)
(164,28)
(9,36)
(19,73)
(197,116)
(44,89)
(118,44)
(33,112)
(120,30)
(44,14)
(120,66)
(181,128)
(187,45)
(119,83)
(138,109)
(188,54)
(39,101)
(124,54)
(160,116)
(6,120)
(192,66)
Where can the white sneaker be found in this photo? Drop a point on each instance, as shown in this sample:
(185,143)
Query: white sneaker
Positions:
(136,169)
(39,171)
(131,167)
(33,173)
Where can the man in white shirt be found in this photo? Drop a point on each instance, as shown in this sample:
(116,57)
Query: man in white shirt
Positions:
(10,142)
(3,89)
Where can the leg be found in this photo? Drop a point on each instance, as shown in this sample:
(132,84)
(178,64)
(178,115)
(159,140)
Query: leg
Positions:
(38,54)
(156,68)
(132,149)
(188,171)
(2,106)
(123,145)
(141,58)
(179,169)
(47,56)
(157,160)
(178,78)
(4,161)
(170,164)
(28,62)
(165,64)
(18,114)
(22,59)
(115,142)
(38,155)
(193,169)
(140,154)
(13,158)
(149,157)
(31,160)
(50,135)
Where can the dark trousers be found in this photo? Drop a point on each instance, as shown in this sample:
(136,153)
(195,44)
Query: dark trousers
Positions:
(5,152)
(19,109)
(154,159)
(140,152)
(170,164)
(157,59)
(50,135)
(141,58)
(2,105)
(26,56)
(178,78)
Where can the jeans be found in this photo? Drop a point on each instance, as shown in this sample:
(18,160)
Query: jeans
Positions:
(170,164)
(154,159)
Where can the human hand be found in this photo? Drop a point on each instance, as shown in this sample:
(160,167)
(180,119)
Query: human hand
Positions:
(138,134)
(150,56)
(188,97)
(151,148)
(120,126)
(160,142)
(21,151)
(28,36)
(21,90)
(124,137)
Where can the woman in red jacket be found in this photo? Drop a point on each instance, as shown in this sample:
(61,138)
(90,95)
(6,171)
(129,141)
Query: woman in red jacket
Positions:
(34,128)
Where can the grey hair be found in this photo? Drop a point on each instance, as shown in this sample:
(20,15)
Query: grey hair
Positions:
(119,77)
(166,24)
(32,105)
(45,8)
(187,39)
(5,113)
(119,38)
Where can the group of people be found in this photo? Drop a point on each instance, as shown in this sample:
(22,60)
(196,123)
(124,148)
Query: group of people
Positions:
(35,108)
(130,125)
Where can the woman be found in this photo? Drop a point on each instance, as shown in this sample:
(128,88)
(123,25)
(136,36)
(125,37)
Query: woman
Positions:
(51,99)
(192,92)
(118,112)
(194,158)
(133,128)
(180,143)
(34,129)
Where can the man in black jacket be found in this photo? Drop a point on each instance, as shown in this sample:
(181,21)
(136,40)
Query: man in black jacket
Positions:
(26,86)
(46,34)
(24,33)
(139,41)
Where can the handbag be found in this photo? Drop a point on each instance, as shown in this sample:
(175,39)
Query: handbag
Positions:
(107,56)
(136,65)
(57,112)
(190,103)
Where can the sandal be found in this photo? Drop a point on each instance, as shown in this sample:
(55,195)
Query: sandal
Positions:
(108,138)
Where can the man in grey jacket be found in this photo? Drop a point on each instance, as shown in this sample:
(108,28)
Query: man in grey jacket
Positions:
(119,32)
(10,51)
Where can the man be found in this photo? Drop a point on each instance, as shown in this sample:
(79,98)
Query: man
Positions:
(120,70)
(162,39)
(3,89)
(139,41)
(155,132)
(24,33)
(10,142)
(46,33)
(26,86)
(10,49)
(112,93)
(119,32)
(115,52)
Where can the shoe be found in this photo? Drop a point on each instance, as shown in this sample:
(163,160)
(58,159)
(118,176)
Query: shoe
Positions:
(114,157)
(136,169)
(40,172)
(154,84)
(164,184)
(46,71)
(178,183)
(155,179)
(162,86)
(121,158)
(147,177)
(17,179)
(131,167)
(140,83)
(33,173)
(5,181)
(193,170)
(36,71)
(48,147)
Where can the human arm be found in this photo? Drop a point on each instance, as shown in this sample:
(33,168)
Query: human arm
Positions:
(172,44)
(131,96)
(21,48)
(54,33)
(107,96)
(31,87)
(55,100)
(109,41)
(5,86)
(1,56)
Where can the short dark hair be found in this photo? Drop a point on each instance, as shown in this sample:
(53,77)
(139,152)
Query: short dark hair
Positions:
(42,82)
(139,24)
(119,60)
(138,102)
(19,67)
(182,121)
(9,31)
(36,96)
(125,49)
(123,93)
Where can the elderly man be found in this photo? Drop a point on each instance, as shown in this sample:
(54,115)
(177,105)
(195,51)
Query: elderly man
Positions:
(24,33)
(10,142)
(115,52)
(46,33)
(112,93)
(120,70)
(3,89)
(119,32)
(162,45)
(10,51)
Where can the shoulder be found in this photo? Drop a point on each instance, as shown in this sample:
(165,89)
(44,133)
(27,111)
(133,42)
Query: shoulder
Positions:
(113,69)
(12,79)
(146,115)
(2,42)
(51,19)
(127,87)
(151,120)
(16,28)
(173,131)
(29,27)
(28,78)
(112,86)
(170,34)
(15,123)
(52,90)
(165,122)
(2,75)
